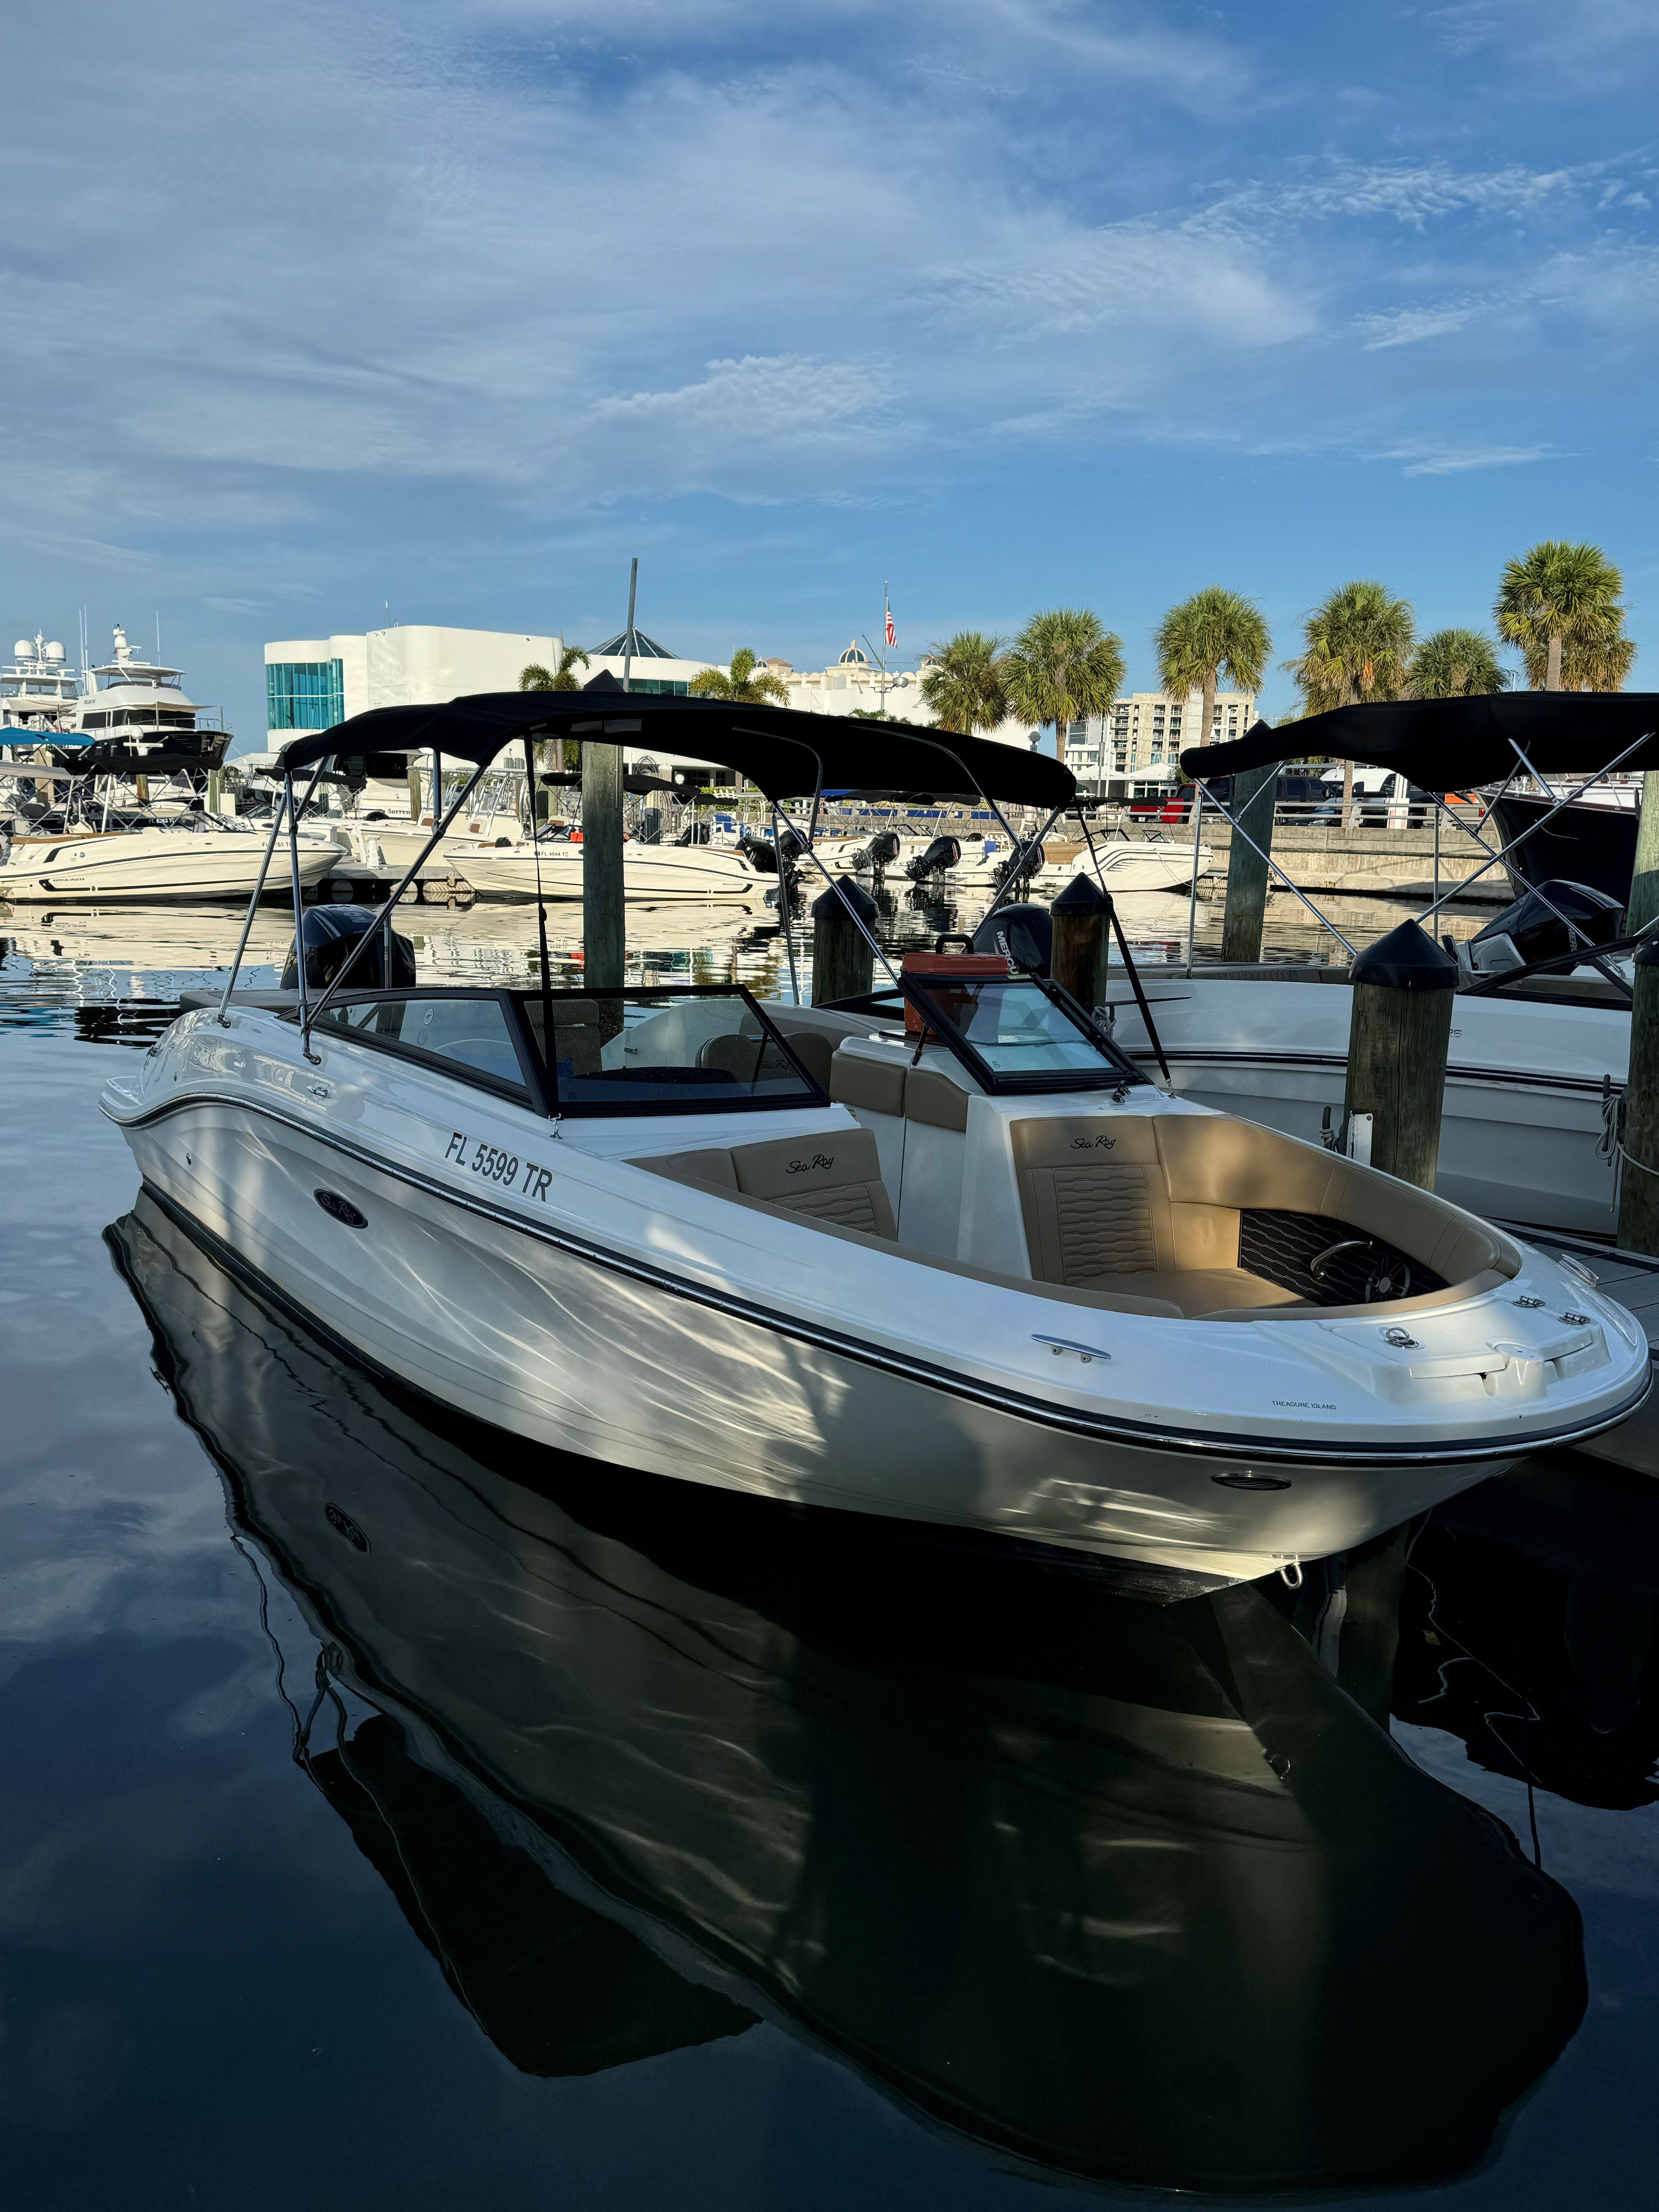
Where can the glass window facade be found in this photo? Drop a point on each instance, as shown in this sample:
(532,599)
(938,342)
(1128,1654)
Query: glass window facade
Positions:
(304,694)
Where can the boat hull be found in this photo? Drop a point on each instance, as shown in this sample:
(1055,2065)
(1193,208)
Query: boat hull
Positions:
(651,874)
(592,1352)
(1578,843)
(155,867)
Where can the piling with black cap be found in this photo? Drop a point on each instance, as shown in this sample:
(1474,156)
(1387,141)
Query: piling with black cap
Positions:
(843,963)
(1398,1035)
(1251,808)
(1082,918)
(1638,1184)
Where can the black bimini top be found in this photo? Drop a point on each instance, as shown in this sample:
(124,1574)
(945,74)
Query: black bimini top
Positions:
(785,753)
(1450,744)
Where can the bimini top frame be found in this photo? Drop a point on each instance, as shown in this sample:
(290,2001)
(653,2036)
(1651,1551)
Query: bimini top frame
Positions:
(784,753)
(1452,744)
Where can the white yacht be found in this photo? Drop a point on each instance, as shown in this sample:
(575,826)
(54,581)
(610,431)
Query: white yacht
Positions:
(969,1268)
(134,704)
(39,692)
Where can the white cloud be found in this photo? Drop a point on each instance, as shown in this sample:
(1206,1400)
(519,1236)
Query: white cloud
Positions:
(1428,459)
(1411,325)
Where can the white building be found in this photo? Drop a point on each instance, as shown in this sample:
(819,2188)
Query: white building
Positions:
(855,685)
(311,682)
(1141,739)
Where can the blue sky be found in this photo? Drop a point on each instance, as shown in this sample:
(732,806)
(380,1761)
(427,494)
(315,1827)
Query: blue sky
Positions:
(313,309)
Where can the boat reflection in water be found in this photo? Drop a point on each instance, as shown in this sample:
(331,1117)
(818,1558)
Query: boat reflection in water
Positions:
(1132,1893)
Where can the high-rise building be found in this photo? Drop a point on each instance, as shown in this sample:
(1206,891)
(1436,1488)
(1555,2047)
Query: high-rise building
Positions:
(1140,740)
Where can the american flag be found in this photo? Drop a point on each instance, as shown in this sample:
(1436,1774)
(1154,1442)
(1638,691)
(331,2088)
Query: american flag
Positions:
(892,635)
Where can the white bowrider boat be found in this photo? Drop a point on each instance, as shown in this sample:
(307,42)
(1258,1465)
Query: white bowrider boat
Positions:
(194,858)
(1540,1028)
(974,1270)
(652,874)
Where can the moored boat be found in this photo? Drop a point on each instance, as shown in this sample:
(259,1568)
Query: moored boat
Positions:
(973,1269)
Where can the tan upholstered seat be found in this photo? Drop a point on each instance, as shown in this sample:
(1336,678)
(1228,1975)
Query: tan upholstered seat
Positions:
(713,1167)
(834,1175)
(1151,1205)
(749,1057)
(870,1086)
(581,1029)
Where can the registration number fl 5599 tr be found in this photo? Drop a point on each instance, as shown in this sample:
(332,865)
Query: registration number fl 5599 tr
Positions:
(490,1163)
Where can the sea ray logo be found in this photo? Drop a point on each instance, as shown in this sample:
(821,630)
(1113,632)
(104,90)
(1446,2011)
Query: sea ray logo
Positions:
(1093,1144)
(805,1167)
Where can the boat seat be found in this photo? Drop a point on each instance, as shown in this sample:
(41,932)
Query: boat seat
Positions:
(874,1086)
(832,1176)
(753,1059)
(1152,1204)
(581,1029)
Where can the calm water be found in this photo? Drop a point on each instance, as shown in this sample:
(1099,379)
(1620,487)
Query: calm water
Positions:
(395,1817)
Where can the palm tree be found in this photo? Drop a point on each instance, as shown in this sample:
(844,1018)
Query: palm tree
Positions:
(1212,630)
(1062,667)
(1357,646)
(965,685)
(1560,597)
(741,682)
(1600,665)
(535,677)
(1455,664)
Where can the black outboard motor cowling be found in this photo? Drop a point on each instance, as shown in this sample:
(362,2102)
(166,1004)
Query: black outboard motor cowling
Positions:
(941,856)
(1528,931)
(332,934)
(1020,932)
(884,848)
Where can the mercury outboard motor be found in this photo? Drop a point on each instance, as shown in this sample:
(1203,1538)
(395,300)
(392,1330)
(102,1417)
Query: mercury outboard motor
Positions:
(1025,933)
(332,934)
(883,849)
(941,856)
(1529,931)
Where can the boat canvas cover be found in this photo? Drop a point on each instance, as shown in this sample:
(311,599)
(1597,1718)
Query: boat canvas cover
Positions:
(1454,745)
(785,753)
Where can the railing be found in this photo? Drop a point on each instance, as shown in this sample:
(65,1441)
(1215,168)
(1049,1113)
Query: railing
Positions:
(1174,814)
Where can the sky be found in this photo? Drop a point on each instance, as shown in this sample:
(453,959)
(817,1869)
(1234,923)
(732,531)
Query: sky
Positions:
(317,316)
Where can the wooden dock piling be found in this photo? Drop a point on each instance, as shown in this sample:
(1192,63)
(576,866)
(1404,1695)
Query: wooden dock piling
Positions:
(1644,904)
(843,966)
(1399,1033)
(1082,921)
(603,933)
(1251,807)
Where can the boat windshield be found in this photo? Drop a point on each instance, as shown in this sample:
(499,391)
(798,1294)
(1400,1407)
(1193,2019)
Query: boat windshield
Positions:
(1018,1033)
(678,1050)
